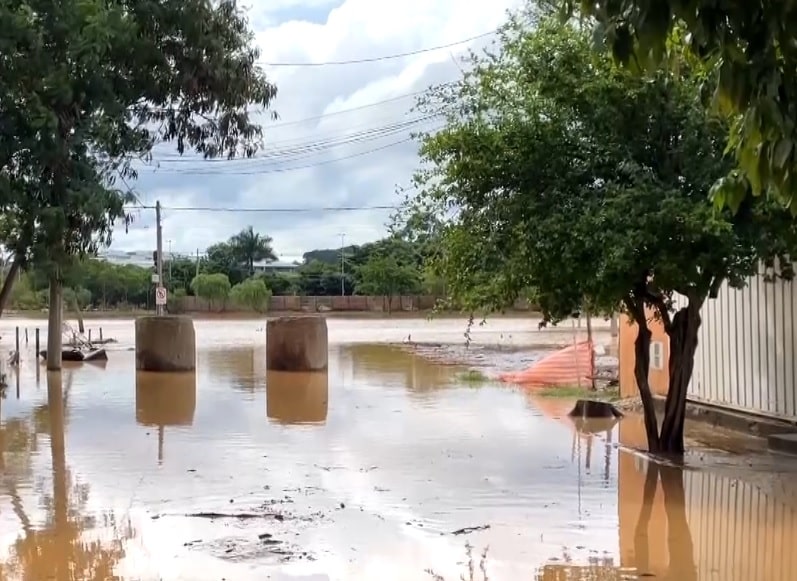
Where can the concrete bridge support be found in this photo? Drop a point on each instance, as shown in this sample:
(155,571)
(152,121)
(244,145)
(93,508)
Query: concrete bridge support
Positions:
(297,344)
(165,343)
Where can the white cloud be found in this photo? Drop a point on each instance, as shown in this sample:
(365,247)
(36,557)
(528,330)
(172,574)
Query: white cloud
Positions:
(320,153)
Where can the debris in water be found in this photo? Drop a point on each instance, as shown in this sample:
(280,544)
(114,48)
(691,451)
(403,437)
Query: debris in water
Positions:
(468,530)
(587,408)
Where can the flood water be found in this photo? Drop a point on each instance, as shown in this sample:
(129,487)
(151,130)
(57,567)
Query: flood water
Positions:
(385,468)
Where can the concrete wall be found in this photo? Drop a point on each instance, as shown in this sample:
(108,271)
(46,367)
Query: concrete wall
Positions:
(353,303)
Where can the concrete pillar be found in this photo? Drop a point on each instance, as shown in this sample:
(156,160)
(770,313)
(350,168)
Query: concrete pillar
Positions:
(297,398)
(165,343)
(297,344)
(165,399)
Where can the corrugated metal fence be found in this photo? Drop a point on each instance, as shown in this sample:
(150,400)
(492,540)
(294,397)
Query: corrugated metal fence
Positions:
(747,353)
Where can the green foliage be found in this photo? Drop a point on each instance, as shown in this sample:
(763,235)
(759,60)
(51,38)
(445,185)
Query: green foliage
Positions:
(749,49)
(320,279)
(212,287)
(384,275)
(79,296)
(87,87)
(177,301)
(249,247)
(251,294)
(579,184)
(587,214)
(25,297)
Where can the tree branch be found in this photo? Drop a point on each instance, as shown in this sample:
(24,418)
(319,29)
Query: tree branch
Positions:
(661,307)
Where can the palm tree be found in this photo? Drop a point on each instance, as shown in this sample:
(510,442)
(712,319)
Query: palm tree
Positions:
(249,247)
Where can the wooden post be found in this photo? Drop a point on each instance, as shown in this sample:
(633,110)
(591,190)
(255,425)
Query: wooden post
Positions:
(89,335)
(37,342)
(100,334)
(26,335)
(591,351)
(17,343)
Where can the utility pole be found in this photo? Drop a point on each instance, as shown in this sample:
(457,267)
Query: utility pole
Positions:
(342,266)
(159,249)
(170,261)
(197,262)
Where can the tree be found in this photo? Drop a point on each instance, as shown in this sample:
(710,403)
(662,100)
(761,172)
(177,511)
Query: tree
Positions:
(319,279)
(86,88)
(181,272)
(586,187)
(751,50)
(251,294)
(383,275)
(249,247)
(220,257)
(77,296)
(214,288)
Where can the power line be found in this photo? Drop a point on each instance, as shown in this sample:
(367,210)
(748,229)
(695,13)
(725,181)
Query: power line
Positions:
(382,58)
(277,169)
(303,145)
(349,110)
(269,210)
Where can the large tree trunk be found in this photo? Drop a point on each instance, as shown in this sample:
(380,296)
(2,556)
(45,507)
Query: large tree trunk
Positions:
(54,324)
(641,368)
(683,345)
(8,284)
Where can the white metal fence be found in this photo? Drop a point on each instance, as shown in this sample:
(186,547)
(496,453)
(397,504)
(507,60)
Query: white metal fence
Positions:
(747,353)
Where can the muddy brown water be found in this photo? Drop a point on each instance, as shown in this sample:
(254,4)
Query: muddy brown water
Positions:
(384,468)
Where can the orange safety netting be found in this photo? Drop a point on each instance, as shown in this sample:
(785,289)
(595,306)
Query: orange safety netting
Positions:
(570,366)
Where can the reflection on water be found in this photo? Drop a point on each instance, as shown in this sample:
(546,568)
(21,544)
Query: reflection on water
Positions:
(56,547)
(405,459)
(698,524)
(165,399)
(396,365)
(243,367)
(297,398)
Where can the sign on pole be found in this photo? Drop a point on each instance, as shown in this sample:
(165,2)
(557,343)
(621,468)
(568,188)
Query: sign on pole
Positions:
(160,295)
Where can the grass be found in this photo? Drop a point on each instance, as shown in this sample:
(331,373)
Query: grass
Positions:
(472,376)
(575,392)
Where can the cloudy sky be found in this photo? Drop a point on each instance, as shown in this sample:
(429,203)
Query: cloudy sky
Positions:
(342,138)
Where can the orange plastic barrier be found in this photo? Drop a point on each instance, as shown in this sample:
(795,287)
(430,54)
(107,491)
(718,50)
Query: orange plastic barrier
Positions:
(570,366)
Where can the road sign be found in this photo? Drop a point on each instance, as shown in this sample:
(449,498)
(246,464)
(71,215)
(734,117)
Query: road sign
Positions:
(160,295)
(155,279)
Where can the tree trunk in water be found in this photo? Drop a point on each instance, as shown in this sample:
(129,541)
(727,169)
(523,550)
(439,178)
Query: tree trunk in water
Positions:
(8,284)
(683,345)
(54,324)
(641,538)
(679,538)
(641,368)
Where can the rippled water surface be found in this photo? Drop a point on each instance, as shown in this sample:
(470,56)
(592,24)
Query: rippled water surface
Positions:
(382,469)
